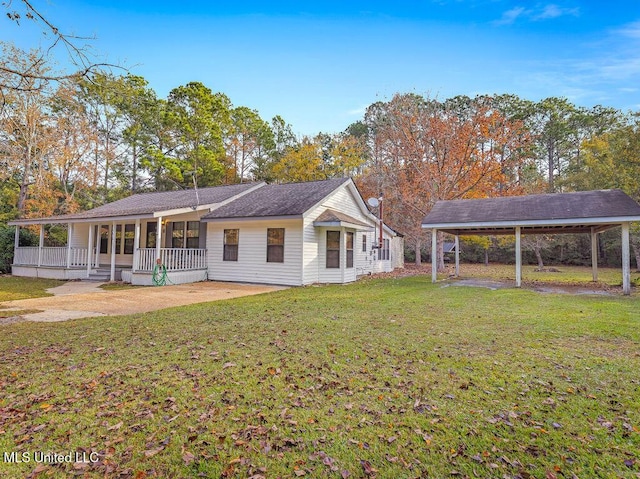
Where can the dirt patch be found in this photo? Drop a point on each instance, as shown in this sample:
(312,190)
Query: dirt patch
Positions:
(84,304)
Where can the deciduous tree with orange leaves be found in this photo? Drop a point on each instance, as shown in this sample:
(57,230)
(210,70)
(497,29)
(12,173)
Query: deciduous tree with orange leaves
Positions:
(423,150)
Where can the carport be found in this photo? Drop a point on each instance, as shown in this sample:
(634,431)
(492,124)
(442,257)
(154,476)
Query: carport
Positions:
(589,212)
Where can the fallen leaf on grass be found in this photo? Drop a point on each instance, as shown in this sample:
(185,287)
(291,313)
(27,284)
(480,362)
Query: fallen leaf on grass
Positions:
(115,427)
(153,452)
(367,467)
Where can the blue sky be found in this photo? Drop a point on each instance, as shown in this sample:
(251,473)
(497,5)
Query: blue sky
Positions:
(320,64)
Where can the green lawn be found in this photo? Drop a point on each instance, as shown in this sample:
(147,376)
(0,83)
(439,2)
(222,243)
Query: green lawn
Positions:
(393,378)
(14,287)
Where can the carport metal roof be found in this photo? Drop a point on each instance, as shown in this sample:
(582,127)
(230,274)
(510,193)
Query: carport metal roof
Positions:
(580,212)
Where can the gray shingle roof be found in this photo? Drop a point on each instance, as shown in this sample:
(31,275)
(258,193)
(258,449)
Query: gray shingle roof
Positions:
(148,203)
(332,216)
(578,207)
(289,199)
(581,204)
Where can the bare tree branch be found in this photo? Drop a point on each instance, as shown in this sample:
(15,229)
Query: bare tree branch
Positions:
(22,79)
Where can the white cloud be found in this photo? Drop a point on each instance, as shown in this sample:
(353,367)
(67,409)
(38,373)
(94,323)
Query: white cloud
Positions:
(546,12)
(631,30)
(512,15)
(554,11)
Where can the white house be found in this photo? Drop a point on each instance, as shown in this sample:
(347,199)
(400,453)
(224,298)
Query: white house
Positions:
(289,234)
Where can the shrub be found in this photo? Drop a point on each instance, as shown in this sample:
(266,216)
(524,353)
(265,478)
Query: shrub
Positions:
(7,239)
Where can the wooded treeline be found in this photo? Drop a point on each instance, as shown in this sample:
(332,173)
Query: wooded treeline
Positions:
(77,143)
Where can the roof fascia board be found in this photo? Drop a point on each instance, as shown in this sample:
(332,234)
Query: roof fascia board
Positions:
(341,224)
(250,218)
(99,219)
(513,224)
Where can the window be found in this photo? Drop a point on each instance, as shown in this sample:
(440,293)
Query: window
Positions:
(118,238)
(349,238)
(383,252)
(185,234)
(104,239)
(333,249)
(364,243)
(151,235)
(230,251)
(177,234)
(193,234)
(275,245)
(129,236)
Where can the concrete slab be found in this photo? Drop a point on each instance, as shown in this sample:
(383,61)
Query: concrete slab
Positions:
(81,304)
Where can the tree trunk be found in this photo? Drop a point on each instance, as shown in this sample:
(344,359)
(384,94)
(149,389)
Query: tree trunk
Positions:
(24,185)
(440,252)
(635,246)
(486,257)
(538,251)
(134,169)
(418,253)
(551,166)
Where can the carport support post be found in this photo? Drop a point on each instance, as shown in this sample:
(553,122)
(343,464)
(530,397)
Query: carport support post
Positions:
(518,258)
(89,250)
(457,256)
(434,255)
(112,277)
(594,254)
(626,260)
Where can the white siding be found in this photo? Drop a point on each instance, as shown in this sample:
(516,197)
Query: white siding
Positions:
(344,201)
(252,266)
(314,253)
(80,235)
(315,240)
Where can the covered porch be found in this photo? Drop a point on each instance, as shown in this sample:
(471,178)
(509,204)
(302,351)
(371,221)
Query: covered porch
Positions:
(128,249)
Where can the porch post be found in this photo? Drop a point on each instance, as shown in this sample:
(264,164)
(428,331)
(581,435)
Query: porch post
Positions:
(113,252)
(343,253)
(40,244)
(89,248)
(69,234)
(136,246)
(457,256)
(518,258)
(97,250)
(626,260)
(158,237)
(594,254)
(16,241)
(434,255)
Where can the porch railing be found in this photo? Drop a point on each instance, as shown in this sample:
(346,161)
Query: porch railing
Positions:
(174,259)
(26,255)
(50,256)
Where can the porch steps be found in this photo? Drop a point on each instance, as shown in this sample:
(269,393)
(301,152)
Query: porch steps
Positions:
(103,275)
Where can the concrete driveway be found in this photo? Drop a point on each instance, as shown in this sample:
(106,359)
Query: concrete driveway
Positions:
(77,299)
